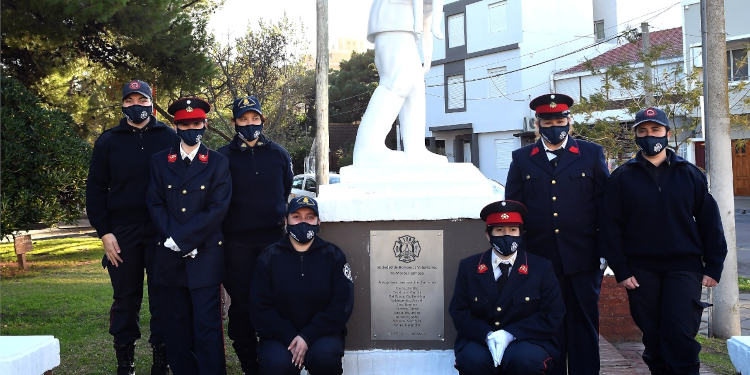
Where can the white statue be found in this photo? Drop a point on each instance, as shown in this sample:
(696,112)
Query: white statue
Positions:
(396,26)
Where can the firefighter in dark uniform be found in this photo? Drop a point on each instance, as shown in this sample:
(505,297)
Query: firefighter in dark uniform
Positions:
(188,197)
(116,207)
(561,181)
(301,298)
(665,241)
(262,180)
(506,307)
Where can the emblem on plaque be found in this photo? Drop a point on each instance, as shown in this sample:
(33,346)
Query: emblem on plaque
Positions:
(407,249)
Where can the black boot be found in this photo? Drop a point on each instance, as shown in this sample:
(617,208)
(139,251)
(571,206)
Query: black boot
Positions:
(125,359)
(160,365)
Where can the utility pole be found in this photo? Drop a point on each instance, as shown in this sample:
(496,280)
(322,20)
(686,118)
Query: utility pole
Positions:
(648,81)
(725,315)
(321,95)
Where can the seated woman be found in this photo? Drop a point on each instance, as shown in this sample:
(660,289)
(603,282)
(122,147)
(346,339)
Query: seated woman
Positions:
(507,306)
(301,298)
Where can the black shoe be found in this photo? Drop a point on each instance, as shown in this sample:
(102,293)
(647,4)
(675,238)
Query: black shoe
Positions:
(125,359)
(159,366)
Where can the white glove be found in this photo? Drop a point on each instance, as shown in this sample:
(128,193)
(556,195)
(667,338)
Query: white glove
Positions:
(491,344)
(502,339)
(602,264)
(170,244)
(191,254)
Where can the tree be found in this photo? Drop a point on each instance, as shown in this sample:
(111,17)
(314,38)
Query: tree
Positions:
(674,91)
(352,86)
(76,55)
(44,163)
(264,62)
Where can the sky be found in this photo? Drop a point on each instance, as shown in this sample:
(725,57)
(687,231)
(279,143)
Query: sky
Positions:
(346,18)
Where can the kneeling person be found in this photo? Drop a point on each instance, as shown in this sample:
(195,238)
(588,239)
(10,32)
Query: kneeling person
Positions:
(301,298)
(507,306)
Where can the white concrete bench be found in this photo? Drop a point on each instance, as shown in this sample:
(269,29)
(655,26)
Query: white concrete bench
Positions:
(28,355)
(739,353)
(401,362)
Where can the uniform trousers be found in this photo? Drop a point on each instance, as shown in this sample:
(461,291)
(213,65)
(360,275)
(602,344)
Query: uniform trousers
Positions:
(667,308)
(579,334)
(323,357)
(136,242)
(239,263)
(194,336)
(520,358)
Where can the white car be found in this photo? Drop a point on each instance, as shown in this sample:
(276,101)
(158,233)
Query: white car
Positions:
(305,184)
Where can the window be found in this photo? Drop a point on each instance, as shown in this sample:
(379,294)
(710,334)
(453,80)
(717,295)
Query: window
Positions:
(503,152)
(498,17)
(456,30)
(467,151)
(599,30)
(456,92)
(496,82)
(737,64)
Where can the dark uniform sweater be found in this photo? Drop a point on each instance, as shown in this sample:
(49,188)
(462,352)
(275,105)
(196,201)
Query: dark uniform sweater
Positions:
(662,218)
(261,182)
(309,293)
(119,173)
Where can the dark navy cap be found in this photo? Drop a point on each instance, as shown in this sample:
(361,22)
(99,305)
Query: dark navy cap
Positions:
(549,106)
(651,114)
(503,212)
(247,103)
(136,86)
(301,202)
(189,109)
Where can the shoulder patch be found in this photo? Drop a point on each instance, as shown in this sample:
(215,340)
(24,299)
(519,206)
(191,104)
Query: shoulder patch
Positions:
(348,272)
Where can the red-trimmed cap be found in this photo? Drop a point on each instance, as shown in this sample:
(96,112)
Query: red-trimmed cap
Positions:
(189,109)
(550,106)
(505,212)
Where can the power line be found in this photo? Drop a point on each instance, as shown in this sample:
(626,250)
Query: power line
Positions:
(658,12)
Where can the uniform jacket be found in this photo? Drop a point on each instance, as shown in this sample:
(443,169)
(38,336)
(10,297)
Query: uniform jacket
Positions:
(393,15)
(672,225)
(188,203)
(564,203)
(262,180)
(118,173)
(529,306)
(309,293)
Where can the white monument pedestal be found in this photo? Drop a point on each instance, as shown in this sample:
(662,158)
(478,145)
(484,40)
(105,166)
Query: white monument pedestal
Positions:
(433,191)
(409,200)
(28,355)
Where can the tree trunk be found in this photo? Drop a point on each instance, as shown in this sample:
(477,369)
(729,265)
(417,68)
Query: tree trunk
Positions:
(321,95)
(725,318)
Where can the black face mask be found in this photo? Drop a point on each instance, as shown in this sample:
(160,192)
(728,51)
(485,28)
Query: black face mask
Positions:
(191,137)
(137,113)
(554,134)
(248,133)
(506,245)
(650,145)
(303,232)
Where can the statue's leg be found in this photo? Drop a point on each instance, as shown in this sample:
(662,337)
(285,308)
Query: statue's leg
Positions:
(393,58)
(412,120)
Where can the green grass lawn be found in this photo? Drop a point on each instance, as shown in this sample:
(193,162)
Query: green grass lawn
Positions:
(714,354)
(744,284)
(66,293)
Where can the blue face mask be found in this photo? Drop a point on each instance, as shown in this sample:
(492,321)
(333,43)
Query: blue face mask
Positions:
(248,133)
(303,232)
(191,137)
(137,113)
(651,145)
(506,245)
(554,134)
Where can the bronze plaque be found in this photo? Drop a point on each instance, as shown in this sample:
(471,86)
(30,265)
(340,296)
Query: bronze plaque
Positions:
(406,284)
